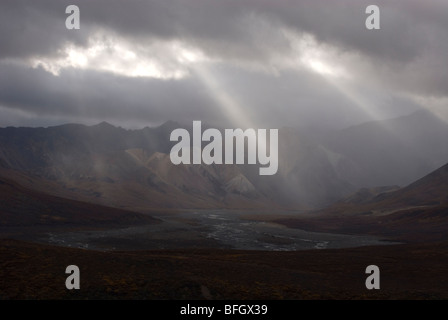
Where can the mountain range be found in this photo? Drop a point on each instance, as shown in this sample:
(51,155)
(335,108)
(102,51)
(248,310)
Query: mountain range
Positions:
(131,169)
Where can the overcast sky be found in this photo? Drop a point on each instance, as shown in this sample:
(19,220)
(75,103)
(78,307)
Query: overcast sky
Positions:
(251,63)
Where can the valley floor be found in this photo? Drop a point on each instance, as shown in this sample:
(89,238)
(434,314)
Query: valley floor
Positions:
(220,229)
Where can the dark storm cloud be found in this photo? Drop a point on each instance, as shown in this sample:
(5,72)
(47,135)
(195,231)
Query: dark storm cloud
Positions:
(30,28)
(100,95)
(407,55)
(409,26)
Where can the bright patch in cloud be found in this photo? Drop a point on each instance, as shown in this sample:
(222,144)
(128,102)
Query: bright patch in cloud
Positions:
(161,60)
(317,57)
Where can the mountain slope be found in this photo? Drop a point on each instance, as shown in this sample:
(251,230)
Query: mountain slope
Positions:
(418,212)
(431,190)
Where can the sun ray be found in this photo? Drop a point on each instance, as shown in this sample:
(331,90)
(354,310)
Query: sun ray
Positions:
(228,104)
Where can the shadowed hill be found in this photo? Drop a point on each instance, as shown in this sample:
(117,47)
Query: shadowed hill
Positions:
(20,206)
(429,190)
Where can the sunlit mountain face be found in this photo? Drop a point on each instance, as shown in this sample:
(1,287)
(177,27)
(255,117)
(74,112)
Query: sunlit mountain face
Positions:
(206,127)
